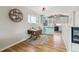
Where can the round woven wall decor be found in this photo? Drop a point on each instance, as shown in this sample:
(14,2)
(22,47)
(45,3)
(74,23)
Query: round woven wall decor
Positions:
(15,15)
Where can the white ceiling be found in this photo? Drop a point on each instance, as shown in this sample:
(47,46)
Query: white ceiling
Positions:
(54,9)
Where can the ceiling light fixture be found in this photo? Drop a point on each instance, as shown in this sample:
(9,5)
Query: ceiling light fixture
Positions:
(43,9)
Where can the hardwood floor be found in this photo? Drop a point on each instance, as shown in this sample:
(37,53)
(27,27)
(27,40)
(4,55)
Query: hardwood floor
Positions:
(51,46)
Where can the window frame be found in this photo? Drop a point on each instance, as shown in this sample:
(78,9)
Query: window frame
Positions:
(30,19)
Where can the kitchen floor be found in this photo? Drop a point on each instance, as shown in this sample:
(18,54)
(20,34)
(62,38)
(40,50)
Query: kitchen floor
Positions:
(46,43)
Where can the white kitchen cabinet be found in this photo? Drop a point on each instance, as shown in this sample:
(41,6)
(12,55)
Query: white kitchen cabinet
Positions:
(59,18)
(74,46)
(76,19)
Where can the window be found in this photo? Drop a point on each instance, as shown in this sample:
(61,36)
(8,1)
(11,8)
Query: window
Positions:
(31,19)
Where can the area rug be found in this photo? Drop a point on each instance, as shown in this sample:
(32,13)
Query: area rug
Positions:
(43,39)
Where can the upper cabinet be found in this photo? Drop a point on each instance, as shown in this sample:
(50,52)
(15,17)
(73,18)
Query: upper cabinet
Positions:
(59,18)
(76,19)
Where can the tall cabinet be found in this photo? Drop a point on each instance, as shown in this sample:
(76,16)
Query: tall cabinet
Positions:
(75,46)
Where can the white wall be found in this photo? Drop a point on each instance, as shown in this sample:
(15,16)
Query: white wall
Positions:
(66,31)
(66,34)
(12,32)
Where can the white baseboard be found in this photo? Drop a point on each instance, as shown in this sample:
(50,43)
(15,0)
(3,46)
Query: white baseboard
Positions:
(13,44)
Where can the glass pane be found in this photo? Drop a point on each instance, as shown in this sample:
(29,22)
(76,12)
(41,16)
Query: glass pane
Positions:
(33,19)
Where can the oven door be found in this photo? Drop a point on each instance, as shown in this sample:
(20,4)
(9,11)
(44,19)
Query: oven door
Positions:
(75,34)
